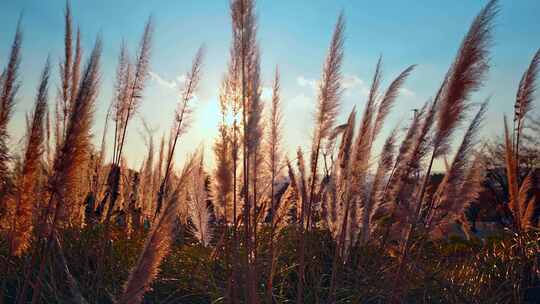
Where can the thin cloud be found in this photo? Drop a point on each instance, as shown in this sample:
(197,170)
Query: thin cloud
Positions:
(354,84)
(170,84)
(407,92)
(306,82)
(302,101)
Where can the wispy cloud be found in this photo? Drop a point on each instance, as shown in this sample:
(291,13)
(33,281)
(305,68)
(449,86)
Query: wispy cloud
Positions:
(306,82)
(407,92)
(353,85)
(351,81)
(173,84)
(302,101)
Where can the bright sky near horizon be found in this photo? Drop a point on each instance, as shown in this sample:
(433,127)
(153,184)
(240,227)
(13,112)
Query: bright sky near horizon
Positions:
(292,34)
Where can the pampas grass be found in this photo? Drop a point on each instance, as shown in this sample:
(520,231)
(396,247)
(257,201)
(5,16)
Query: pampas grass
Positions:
(464,77)
(522,210)
(158,243)
(130,83)
(347,209)
(198,202)
(448,202)
(362,155)
(21,230)
(134,86)
(10,86)
(223,176)
(74,150)
(66,69)
(274,166)
(524,97)
(376,196)
(328,101)
(68,162)
(182,118)
(528,201)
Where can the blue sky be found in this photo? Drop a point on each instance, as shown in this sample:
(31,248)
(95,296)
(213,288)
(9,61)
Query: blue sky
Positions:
(293,35)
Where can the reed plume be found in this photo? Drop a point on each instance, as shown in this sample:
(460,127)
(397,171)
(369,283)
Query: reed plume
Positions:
(69,162)
(75,68)
(472,185)
(198,202)
(448,202)
(330,87)
(2,79)
(223,183)
(302,181)
(527,88)
(236,86)
(399,175)
(157,243)
(158,172)
(338,195)
(182,118)
(328,99)
(294,193)
(255,166)
(48,140)
(147,193)
(518,204)
(22,226)
(361,159)
(247,53)
(328,102)
(73,154)
(275,132)
(121,93)
(465,76)
(254,136)
(10,86)
(135,87)
(274,164)
(511,175)
(341,184)
(370,127)
(66,68)
(244,53)
(130,83)
(524,99)
(528,201)
(376,195)
(231,98)
(388,99)
(522,198)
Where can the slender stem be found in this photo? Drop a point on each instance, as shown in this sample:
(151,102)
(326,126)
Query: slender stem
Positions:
(21,297)
(235,215)
(410,232)
(339,252)
(48,244)
(302,266)
(272,226)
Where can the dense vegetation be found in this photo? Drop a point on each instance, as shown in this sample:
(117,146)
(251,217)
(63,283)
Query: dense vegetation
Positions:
(347,225)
